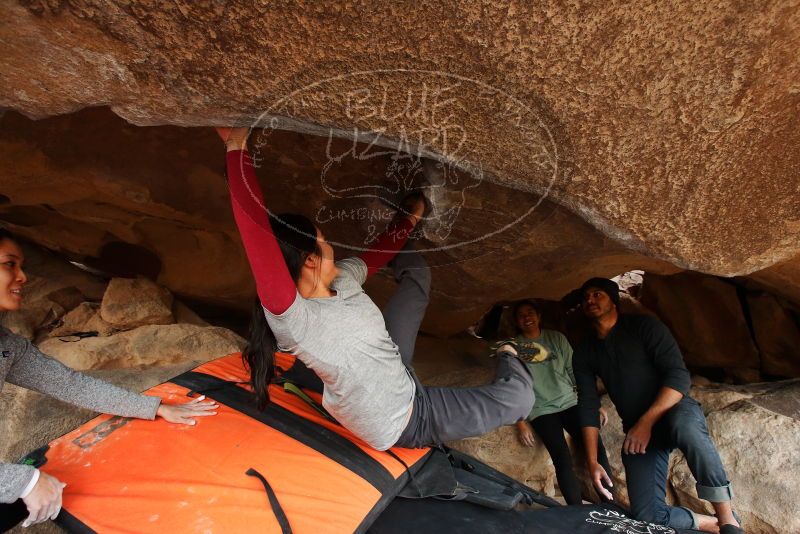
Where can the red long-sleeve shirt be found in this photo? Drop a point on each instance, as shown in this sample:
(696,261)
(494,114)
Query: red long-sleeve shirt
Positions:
(274,284)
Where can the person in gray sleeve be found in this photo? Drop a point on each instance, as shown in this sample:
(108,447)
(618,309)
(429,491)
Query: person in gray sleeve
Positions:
(24,490)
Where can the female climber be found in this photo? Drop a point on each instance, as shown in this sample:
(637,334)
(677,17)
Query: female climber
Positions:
(548,355)
(316,309)
(25,490)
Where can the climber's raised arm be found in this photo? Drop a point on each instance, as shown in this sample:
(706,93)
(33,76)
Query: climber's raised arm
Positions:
(274,285)
(389,243)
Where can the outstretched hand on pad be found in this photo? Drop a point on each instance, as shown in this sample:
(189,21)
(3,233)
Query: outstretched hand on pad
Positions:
(184,414)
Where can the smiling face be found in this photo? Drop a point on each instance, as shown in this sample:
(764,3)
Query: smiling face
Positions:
(527,319)
(596,303)
(12,277)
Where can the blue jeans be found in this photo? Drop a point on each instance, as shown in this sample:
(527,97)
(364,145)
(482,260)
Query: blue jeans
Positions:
(682,427)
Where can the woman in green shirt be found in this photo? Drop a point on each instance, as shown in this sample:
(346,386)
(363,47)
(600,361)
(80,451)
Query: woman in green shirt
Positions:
(548,354)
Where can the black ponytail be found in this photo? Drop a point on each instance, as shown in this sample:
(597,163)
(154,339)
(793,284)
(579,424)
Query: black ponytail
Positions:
(297,238)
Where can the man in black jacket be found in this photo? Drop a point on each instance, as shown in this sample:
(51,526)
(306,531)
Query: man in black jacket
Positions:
(643,371)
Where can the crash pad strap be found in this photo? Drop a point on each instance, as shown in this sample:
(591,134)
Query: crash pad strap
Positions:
(325,441)
(72,524)
(277,509)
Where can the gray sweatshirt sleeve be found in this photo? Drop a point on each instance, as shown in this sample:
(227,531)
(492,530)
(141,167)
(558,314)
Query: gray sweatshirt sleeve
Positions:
(31,369)
(13,480)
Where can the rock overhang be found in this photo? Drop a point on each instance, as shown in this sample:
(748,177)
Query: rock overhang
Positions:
(672,129)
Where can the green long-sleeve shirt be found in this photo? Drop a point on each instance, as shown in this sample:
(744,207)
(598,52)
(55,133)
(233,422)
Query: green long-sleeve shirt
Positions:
(549,357)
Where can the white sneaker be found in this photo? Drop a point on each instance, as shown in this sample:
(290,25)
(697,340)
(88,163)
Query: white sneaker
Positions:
(508,347)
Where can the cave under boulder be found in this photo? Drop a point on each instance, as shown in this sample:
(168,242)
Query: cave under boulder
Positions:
(777,333)
(706,317)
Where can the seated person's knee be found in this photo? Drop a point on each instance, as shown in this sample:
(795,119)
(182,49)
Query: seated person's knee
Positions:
(685,428)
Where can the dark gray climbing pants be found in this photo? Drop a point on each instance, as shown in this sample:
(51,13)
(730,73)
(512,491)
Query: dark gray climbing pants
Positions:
(446,414)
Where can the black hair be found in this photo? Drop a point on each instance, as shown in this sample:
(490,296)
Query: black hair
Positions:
(5,234)
(297,238)
(609,287)
(519,304)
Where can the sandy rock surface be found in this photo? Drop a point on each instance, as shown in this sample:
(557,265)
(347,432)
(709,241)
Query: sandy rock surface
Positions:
(757,440)
(84,318)
(43,307)
(54,288)
(145,346)
(131,302)
(162,210)
(681,99)
(184,314)
(664,136)
(560,142)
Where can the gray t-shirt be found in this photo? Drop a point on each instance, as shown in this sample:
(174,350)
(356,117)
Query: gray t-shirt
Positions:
(344,340)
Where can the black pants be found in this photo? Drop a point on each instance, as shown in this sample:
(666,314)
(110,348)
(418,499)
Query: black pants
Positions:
(12,514)
(550,429)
